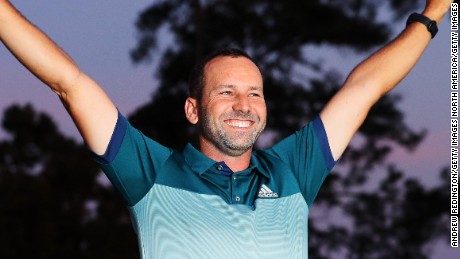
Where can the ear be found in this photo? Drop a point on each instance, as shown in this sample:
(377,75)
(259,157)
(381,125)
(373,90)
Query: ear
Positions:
(191,110)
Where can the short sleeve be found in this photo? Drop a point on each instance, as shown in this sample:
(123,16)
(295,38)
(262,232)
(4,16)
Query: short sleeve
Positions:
(131,161)
(308,154)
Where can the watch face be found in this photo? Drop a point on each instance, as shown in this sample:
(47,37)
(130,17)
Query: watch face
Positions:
(433,28)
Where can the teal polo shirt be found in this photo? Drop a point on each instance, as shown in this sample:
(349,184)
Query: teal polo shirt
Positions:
(186,205)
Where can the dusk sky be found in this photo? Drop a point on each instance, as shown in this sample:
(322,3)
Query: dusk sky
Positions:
(100,34)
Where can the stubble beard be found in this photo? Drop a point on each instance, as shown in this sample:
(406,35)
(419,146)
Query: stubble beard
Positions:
(217,135)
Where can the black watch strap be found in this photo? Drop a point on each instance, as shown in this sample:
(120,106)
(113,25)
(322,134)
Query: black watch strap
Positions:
(430,24)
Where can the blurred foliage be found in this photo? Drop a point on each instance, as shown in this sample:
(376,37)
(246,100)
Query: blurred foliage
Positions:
(51,202)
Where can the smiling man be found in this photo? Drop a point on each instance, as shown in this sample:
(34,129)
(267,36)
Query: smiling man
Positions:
(231,106)
(221,199)
(224,199)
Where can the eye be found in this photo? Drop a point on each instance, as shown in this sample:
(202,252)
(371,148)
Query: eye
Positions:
(226,93)
(254,95)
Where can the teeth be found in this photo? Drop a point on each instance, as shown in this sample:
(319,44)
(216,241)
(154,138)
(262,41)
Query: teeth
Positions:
(239,124)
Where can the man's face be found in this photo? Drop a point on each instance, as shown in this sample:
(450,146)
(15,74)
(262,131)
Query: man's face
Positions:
(232,111)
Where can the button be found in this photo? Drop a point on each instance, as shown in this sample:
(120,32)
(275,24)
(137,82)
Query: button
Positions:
(234,178)
(220,167)
(237,198)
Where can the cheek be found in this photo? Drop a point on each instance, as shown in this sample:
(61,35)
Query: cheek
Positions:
(217,108)
(210,113)
(262,110)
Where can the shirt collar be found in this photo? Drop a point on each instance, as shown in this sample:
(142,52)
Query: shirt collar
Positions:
(200,163)
(197,160)
(256,164)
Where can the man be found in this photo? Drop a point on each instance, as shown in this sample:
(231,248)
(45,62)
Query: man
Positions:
(224,199)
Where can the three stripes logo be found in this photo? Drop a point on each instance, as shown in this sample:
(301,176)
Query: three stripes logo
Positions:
(265,192)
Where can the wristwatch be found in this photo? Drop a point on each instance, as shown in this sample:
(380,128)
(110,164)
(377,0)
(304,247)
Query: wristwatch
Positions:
(430,24)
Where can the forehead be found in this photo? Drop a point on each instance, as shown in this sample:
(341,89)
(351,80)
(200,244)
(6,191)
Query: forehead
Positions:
(232,71)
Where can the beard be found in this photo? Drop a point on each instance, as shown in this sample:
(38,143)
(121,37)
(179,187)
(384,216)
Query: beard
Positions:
(233,143)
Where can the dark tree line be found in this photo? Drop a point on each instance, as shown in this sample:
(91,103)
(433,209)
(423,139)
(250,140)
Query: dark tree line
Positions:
(53,203)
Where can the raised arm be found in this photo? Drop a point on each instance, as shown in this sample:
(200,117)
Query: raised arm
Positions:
(374,77)
(91,109)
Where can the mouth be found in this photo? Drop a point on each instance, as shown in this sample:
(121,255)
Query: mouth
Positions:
(239,123)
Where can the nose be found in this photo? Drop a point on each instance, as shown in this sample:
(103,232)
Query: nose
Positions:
(242,104)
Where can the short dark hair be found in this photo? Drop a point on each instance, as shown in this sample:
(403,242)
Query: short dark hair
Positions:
(197,76)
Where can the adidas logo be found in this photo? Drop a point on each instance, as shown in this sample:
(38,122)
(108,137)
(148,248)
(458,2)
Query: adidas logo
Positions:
(265,192)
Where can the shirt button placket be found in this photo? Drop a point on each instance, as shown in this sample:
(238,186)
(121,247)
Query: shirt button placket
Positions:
(237,197)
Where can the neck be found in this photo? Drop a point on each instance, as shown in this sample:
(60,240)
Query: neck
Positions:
(236,163)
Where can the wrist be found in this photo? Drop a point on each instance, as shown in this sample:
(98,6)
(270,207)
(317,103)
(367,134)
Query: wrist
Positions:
(421,19)
(436,13)
(433,16)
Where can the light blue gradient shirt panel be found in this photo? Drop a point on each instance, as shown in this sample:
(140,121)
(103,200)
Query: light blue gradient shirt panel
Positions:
(186,205)
(173,223)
